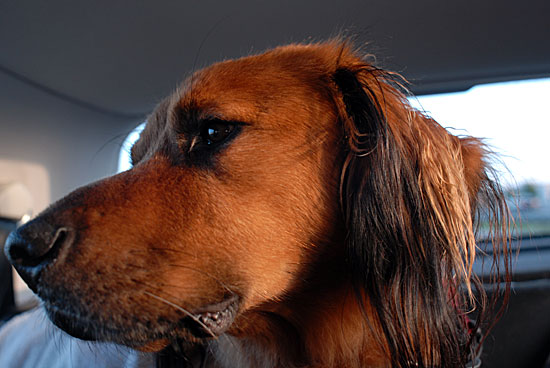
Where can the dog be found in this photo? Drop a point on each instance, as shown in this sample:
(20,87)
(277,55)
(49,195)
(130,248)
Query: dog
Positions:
(286,209)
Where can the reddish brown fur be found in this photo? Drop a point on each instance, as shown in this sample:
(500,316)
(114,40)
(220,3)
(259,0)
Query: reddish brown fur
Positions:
(263,222)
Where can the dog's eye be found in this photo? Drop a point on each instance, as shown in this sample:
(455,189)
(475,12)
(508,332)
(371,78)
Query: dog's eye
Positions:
(215,132)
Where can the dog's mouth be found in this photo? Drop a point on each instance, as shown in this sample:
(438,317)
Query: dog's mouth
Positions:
(215,319)
(206,322)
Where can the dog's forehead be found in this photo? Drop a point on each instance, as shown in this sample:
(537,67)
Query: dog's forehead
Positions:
(258,83)
(280,67)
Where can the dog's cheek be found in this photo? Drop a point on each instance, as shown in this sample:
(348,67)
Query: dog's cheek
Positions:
(272,215)
(242,249)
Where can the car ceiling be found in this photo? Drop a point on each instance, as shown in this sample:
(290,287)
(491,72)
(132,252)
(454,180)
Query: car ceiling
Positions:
(123,56)
(76,76)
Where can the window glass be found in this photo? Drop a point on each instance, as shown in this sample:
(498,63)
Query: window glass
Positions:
(513,120)
(124,160)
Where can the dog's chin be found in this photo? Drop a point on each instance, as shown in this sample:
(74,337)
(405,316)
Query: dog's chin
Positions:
(70,325)
(207,322)
(82,328)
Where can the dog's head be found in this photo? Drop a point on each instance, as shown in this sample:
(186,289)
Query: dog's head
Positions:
(260,179)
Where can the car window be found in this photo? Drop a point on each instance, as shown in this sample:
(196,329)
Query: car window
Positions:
(124,160)
(512,119)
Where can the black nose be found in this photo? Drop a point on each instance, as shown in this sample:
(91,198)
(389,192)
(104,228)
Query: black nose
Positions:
(34,246)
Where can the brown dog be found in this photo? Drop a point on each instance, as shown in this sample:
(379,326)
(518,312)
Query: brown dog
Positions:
(285,209)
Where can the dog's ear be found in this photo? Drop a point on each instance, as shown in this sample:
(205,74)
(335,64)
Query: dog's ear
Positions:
(407,190)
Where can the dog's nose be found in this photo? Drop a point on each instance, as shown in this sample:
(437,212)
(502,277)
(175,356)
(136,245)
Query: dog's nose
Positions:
(34,246)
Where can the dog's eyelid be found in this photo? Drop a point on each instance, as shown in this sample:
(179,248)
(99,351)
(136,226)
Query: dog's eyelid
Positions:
(210,135)
(216,120)
(217,132)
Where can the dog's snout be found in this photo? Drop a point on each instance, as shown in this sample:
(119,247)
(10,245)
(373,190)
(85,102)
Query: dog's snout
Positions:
(36,245)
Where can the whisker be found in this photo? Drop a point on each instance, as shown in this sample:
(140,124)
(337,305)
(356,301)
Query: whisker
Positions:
(181,309)
(242,316)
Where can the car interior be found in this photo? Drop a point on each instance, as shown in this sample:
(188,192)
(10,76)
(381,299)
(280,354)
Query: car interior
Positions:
(76,78)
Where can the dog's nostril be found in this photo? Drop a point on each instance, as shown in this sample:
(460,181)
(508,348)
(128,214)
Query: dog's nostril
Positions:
(34,246)
(39,243)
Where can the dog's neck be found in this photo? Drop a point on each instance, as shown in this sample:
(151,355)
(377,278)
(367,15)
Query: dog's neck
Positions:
(323,327)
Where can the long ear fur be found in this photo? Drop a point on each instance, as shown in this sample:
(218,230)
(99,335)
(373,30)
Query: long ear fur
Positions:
(408,191)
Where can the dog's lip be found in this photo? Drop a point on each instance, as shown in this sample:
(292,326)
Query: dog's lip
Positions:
(88,329)
(214,319)
(228,302)
(208,321)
